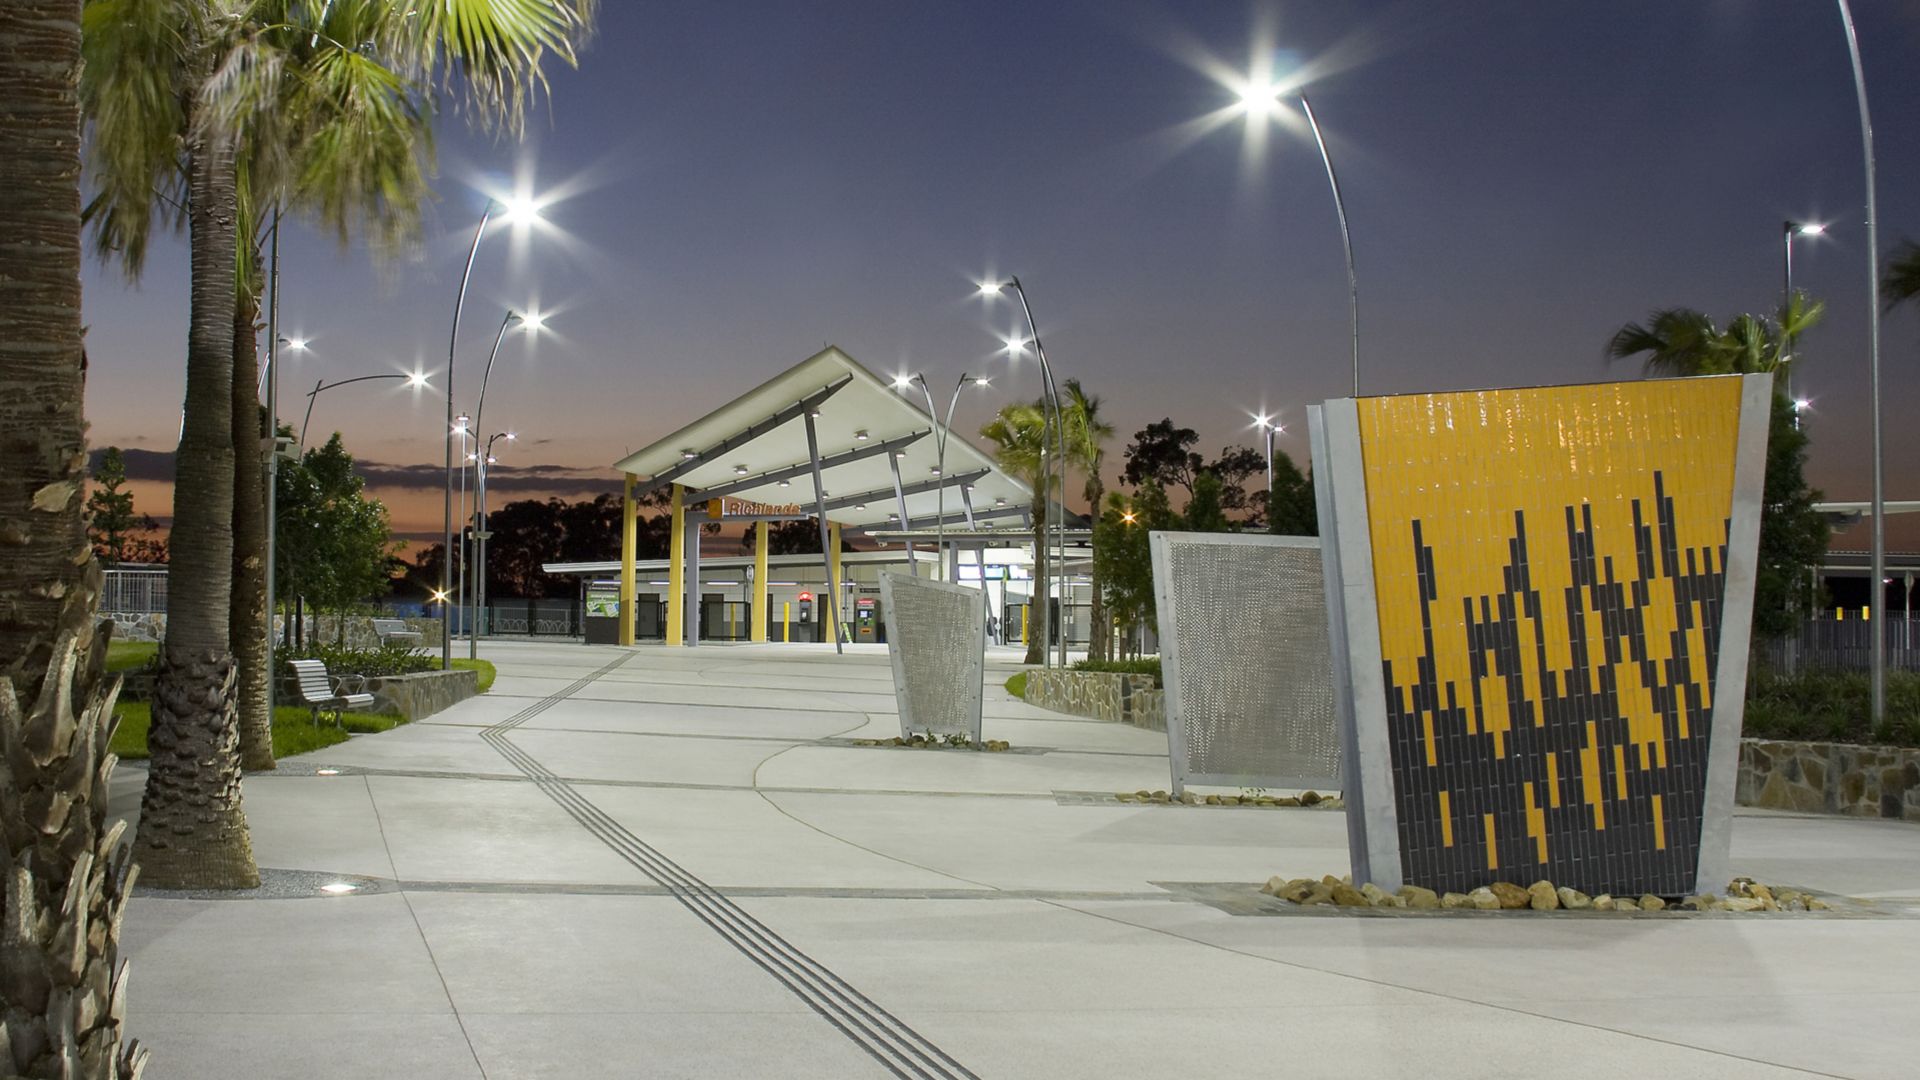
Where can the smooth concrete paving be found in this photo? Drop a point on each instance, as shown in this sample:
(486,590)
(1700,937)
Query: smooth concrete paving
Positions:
(679,865)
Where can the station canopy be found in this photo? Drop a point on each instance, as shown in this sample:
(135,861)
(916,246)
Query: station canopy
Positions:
(755,449)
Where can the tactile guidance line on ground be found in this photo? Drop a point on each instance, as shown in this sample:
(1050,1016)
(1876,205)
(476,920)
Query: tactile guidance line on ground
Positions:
(889,1040)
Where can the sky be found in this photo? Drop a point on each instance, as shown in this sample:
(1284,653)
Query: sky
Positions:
(730,187)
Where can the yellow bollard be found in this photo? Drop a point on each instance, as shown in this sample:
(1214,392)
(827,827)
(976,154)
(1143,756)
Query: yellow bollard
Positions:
(1024,609)
(786,621)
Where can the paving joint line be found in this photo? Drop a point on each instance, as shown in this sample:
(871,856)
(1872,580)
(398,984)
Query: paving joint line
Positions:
(887,1039)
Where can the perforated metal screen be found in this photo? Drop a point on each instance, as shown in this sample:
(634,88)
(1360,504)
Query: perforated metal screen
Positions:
(1244,648)
(937,641)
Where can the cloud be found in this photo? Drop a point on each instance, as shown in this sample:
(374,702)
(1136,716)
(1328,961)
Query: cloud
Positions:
(563,480)
(140,464)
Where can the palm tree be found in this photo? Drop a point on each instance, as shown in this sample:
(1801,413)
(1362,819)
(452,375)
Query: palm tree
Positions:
(1086,444)
(326,98)
(1901,281)
(1020,434)
(69,875)
(1682,341)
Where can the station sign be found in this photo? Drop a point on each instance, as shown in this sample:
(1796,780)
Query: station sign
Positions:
(726,507)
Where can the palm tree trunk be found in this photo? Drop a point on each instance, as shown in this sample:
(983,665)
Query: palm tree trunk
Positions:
(67,874)
(247,625)
(193,833)
(1037,625)
(1099,637)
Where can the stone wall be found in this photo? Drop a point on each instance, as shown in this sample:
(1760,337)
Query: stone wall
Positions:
(1830,778)
(1102,695)
(423,693)
(326,628)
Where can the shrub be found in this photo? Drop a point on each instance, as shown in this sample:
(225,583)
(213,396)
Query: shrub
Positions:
(1831,706)
(370,663)
(1145,666)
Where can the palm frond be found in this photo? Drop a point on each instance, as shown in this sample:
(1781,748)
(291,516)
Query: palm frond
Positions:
(488,53)
(1901,281)
(134,93)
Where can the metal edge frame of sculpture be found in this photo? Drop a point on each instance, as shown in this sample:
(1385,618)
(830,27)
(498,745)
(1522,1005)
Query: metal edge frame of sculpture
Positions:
(1166,609)
(972,681)
(1359,684)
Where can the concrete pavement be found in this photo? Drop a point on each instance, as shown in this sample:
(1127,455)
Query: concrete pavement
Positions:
(653,862)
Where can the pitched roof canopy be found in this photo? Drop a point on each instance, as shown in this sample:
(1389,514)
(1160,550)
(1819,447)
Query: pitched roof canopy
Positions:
(755,448)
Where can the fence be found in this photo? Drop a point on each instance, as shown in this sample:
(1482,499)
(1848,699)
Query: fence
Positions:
(1843,645)
(550,617)
(134,592)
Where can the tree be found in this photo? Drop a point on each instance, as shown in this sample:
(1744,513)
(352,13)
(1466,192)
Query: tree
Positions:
(1164,454)
(1234,467)
(1019,433)
(335,541)
(1793,535)
(1294,512)
(1091,442)
(1204,511)
(786,537)
(69,875)
(325,98)
(1124,558)
(1901,281)
(110,510)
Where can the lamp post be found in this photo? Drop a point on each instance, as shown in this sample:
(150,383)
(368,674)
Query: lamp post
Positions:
(480,542)
(533,321)
(1879,558)
(1270,427)
(463,425)
(940,435)
(518,210)
(415,380)
(1259,103)
(1788,231)
(1052,399)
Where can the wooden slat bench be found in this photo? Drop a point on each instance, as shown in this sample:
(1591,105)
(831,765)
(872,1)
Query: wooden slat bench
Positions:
(392,631)
(320,692)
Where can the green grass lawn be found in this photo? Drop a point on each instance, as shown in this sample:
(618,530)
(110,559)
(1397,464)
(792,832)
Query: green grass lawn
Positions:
(293,729)
(129,655)
(1017,686)
(485,668)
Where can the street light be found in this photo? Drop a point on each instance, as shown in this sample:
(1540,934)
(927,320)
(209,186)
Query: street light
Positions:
(1015,348)
(940,436)
(532,321)
(1271,427)
(519,210)
(486,458)
(1879,568)
(1788,231)
(415,380)
(1261,102)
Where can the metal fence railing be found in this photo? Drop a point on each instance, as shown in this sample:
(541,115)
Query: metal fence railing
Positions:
(134,592)
(1843,645)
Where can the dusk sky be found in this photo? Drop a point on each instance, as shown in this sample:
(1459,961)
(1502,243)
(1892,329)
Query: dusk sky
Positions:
(738,184)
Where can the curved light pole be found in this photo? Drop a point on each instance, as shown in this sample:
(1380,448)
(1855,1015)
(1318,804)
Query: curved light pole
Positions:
(1258,102)
(463,426)
(1270,427)
(940,436)
(533,321)
(517,210)
(1877,591)
(486,458)
(415,380)
(1052,399)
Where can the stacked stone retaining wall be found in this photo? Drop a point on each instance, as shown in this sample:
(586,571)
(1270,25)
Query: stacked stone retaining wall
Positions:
(323,628)
(1102,695)
(1830,778)
(424,693)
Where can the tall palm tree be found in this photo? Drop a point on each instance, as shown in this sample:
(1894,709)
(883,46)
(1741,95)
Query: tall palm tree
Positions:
(1020,434)
(1901,282)
(173,87)
(69,875)
(1087,445)
(1682,341)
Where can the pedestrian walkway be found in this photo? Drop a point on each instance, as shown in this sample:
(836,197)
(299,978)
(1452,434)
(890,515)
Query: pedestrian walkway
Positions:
(654,862)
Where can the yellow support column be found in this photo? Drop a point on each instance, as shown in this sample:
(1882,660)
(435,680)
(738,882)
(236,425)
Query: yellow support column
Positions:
(833,566)
(757,610)
(629,511)
(677,570)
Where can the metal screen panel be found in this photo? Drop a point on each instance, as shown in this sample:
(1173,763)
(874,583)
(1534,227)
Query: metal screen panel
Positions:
(937,642)
(1246,660)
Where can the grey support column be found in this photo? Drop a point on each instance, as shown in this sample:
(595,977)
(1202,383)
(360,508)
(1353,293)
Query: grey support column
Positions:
(691,599)
(900,499)
(826,539)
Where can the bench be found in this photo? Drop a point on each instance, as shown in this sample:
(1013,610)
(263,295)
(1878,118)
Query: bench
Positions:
(318,691)
(395,630)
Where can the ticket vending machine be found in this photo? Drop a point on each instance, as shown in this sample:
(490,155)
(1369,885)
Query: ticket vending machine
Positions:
(866,614)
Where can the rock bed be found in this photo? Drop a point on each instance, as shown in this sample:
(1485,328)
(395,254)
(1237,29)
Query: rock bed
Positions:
(1743,894)
(1305,798)
(921,742)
